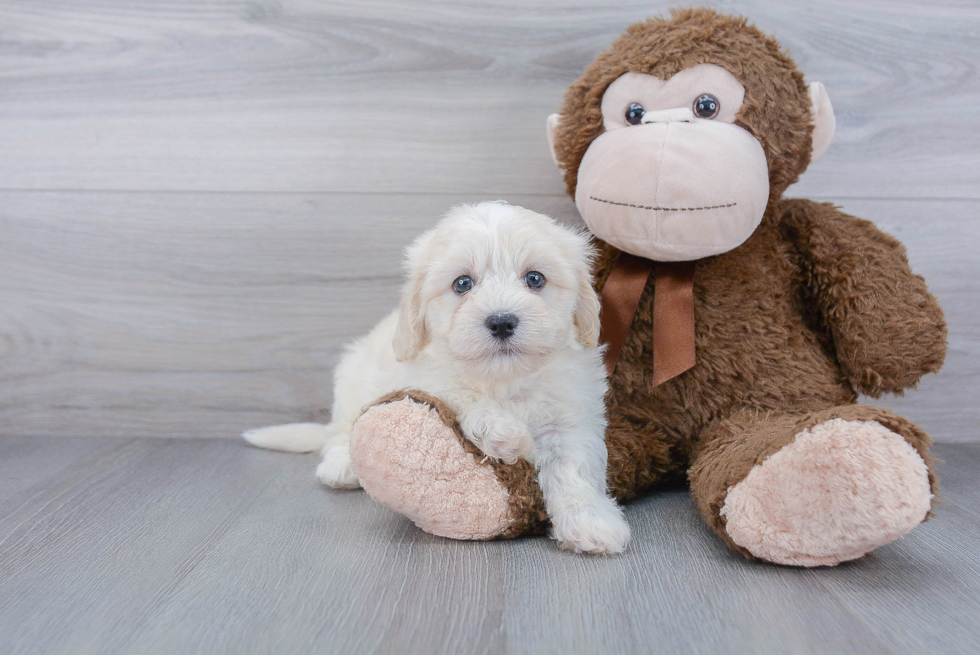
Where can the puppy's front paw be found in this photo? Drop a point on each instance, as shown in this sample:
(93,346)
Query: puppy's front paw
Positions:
(498,435)
(334,471)
(597,529)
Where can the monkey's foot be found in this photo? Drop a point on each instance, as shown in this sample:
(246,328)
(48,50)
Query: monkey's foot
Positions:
(410,457)
(836,492)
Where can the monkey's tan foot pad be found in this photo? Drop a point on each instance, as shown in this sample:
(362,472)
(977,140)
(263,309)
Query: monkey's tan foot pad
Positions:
(411,459)
(838,491)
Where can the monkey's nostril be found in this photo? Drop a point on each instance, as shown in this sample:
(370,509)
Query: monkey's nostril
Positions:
(501,326)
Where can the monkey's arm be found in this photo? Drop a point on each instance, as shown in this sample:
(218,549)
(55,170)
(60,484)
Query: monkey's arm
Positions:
(887,328)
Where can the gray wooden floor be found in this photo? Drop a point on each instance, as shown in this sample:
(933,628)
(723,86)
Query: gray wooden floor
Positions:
(201,202)
(183,546)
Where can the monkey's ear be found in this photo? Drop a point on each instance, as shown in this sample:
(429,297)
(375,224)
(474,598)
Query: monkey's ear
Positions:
(552,129)
(824,123)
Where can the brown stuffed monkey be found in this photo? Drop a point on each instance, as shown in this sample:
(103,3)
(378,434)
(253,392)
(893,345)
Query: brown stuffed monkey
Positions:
(741,325)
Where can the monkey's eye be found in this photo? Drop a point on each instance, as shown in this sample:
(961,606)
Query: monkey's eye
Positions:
(634,113)
(462,284)
(534,280)
(706,106)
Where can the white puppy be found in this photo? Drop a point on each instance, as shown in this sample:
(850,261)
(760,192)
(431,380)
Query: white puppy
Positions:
(500,321)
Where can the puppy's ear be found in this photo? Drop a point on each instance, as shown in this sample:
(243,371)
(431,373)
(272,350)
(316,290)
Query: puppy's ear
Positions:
(410,333)
(410,336)
(587,305)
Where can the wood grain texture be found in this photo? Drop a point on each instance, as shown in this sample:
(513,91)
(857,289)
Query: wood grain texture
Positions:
(199,315)
(164,546)
(28,463)
(433,96)
(280,155)
(201,202)
(194,315)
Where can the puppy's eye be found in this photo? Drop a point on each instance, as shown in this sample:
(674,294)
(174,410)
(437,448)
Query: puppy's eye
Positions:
(706,106)
(462,284)
(534,280)
(634,113)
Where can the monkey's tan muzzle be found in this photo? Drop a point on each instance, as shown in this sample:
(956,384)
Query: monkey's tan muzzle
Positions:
(674,188)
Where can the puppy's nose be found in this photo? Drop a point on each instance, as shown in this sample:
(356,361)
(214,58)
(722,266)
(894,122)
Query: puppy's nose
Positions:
(501,326)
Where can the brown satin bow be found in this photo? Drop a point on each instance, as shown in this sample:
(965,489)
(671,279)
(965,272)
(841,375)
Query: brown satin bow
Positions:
(673,312)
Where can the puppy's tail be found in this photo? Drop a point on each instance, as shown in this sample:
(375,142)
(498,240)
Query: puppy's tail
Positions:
(293,438)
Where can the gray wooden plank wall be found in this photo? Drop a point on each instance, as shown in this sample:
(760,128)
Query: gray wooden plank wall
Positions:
(200,202)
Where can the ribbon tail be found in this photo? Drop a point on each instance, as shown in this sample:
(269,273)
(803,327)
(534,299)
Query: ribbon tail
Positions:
(673,320)
(620,297)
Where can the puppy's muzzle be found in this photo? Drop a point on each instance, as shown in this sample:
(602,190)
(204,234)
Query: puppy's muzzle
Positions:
(501,326)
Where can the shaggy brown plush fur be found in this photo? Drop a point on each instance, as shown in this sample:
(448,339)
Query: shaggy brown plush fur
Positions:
(815,307)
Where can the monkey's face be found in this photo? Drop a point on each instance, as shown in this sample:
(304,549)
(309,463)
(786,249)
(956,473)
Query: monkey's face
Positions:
(672,178)
(675,139)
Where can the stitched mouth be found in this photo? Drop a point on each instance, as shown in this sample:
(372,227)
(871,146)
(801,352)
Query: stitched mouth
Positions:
(662,209)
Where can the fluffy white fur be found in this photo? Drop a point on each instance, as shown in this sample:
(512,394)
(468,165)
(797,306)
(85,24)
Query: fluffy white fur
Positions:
(538,394)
